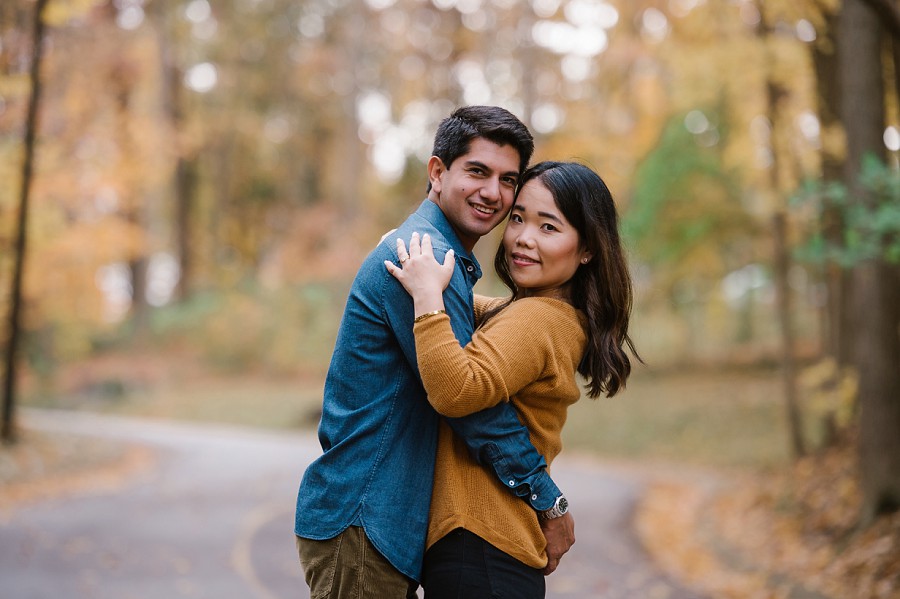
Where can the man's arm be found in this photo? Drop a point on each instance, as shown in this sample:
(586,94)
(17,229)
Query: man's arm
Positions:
(497,440)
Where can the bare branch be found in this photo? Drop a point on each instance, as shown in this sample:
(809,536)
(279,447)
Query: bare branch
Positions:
(889,13)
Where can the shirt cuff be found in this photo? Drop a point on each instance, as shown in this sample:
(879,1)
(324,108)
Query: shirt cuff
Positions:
(542,491)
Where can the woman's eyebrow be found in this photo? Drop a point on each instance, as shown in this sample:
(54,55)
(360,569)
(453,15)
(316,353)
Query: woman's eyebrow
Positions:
(551,216)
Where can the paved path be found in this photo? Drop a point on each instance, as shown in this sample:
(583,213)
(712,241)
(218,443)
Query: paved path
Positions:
(213,518)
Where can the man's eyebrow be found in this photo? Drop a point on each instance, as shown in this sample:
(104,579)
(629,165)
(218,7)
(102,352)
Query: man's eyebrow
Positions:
(483,166)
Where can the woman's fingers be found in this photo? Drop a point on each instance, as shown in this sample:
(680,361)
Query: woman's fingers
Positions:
(402,254)
(415,248)
(418,246)
(418,269)
(393,269)
(385,236)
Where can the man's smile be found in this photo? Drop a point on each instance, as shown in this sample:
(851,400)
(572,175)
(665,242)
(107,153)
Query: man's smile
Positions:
(483,209)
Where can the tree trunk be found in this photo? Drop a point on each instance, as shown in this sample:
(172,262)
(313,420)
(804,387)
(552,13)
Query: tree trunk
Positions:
(185,189)
(838,325)
(877,293)
(788,364)
(122,78)
(350,148)
(895,59)
(7,430)
(184,183)
(776,94)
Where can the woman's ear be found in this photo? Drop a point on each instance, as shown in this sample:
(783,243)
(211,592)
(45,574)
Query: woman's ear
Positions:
(435,170)
(586,256)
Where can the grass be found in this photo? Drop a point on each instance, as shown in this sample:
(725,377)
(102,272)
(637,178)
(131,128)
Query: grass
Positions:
(716,418)
(730,418)
(264,403)
(255,401)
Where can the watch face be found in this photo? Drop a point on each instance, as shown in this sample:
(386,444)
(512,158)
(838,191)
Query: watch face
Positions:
(563,505)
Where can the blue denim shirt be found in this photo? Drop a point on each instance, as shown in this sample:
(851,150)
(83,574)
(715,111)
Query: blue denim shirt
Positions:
(378,432)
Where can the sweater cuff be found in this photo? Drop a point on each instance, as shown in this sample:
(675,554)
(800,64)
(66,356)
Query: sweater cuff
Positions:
(431,323)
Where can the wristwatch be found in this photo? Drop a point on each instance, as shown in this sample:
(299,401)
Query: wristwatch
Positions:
(560,507)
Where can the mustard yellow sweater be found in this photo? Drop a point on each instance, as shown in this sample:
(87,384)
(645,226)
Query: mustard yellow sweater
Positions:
(526,354)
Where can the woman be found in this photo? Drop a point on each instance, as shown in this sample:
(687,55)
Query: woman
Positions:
(562,258)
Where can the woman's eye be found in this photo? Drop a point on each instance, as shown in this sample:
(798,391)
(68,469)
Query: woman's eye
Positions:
(549,227)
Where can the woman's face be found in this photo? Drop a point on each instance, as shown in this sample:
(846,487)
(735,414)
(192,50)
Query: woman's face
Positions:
(542,249)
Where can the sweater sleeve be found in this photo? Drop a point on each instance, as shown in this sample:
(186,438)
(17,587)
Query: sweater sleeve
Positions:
(483,303)
(503,357)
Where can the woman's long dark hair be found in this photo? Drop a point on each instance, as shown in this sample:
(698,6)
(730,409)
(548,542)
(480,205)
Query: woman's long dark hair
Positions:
(602,288)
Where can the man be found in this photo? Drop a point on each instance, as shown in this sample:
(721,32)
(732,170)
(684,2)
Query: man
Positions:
(362,507)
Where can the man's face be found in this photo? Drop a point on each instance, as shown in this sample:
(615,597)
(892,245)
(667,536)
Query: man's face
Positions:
(477,191)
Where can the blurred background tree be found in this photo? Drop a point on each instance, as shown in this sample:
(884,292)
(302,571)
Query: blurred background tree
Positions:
(210,174)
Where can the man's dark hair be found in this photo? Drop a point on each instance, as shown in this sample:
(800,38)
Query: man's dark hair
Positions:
(456,132)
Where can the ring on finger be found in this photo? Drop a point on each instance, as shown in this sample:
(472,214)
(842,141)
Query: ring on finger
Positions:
(404,259)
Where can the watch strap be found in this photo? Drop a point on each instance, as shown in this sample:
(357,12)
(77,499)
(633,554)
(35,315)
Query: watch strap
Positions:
(560,507)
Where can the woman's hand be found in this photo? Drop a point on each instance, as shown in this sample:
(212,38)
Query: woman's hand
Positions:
(420,274)
(383,237)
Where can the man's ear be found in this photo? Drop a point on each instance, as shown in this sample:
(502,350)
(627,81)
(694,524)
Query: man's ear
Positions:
(435,170)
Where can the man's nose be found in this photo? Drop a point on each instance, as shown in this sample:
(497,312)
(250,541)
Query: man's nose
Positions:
(491,189)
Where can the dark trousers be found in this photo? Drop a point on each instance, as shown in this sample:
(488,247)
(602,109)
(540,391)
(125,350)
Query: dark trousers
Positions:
(462,565)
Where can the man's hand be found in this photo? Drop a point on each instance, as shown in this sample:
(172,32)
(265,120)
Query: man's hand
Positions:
(560,535)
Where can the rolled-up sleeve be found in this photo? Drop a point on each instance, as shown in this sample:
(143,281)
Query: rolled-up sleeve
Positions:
(472,386)
(497,440)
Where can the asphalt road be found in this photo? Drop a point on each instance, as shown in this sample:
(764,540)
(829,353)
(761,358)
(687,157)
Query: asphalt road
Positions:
(213,517)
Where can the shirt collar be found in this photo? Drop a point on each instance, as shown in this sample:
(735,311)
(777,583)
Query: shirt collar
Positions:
(433,214)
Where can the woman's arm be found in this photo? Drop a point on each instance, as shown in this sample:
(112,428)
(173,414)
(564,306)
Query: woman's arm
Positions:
(499,361)
(483,304)
(491,368)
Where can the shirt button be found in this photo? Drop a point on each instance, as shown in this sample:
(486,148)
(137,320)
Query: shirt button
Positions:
(512,483)
(470,268)
(533,497)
